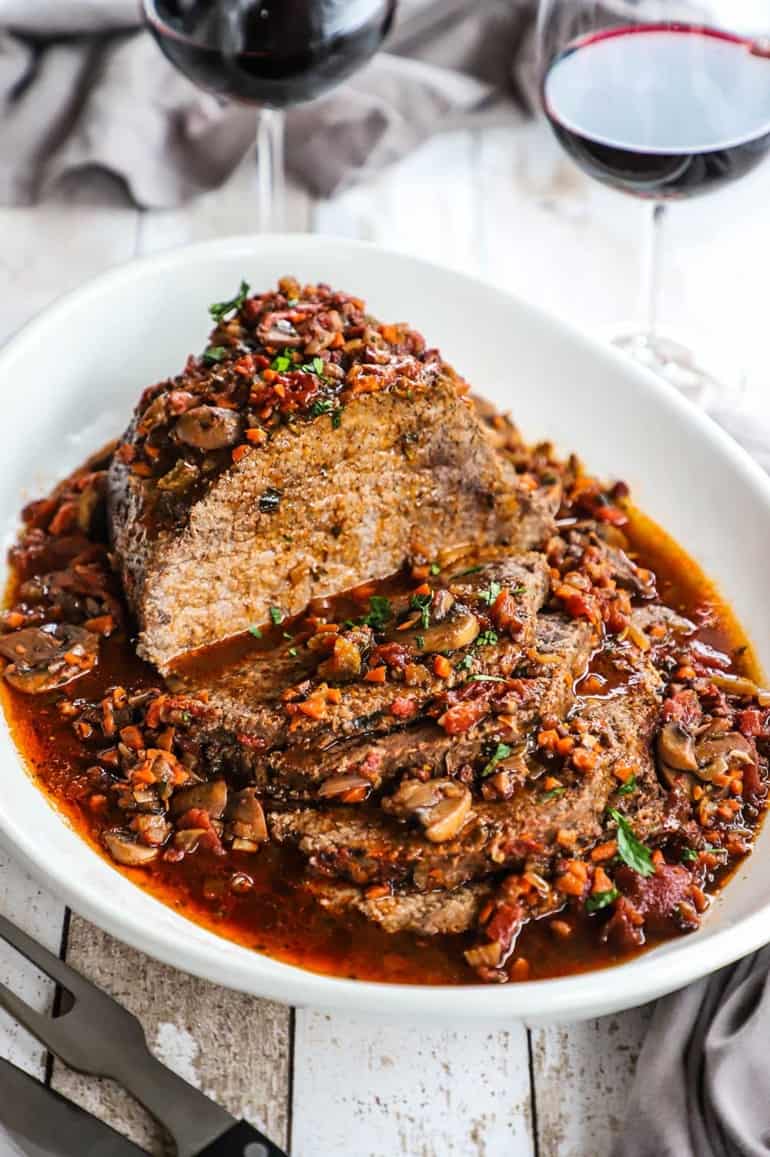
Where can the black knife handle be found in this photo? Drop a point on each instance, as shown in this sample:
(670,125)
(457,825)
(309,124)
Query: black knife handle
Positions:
(243,1140)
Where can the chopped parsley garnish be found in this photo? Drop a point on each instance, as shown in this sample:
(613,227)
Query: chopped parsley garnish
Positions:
(420,641)
(465,663)
(470,570)
(435,568)
(256,632)
(487,679)
(337,418)
(220,309)
(322,406)
(501,752)
(269,500)
(380,611)
(276,614)
(598,900)
(422,604)
(554,793)
(487,639)
(282,362)
(489,595)
(629,787)
(632,851)
(293,652)
(314,367)
(215,353)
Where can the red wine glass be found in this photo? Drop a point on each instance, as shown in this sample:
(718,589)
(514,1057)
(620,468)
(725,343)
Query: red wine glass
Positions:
(663,101)
(272,54)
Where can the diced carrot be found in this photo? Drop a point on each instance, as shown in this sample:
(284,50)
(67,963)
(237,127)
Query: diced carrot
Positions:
(376,675)
(442,667)
(583,760)
(313,708)
(132,737)
(422,589)
(240,451)
(602,882)
(604,851)
(101,625)
(256,435)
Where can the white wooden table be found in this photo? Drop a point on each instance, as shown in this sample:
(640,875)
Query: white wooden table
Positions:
(505,204)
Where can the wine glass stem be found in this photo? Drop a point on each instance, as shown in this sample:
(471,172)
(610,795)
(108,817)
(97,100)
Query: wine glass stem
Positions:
(270,170)
(652,268)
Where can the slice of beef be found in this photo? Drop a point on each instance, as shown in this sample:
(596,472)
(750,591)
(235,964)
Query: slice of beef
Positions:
(424,913)
(322,770)
(233,492)
(248,716)
(364,846)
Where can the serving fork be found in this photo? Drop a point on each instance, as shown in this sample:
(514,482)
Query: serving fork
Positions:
(99,1037)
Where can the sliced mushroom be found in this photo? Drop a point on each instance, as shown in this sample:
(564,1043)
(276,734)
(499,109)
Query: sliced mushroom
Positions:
(246,819)
(676,748)
(210,797)
(719,752)
(125,849)
(208,427)
(454,633)
(441,805)
(43,658)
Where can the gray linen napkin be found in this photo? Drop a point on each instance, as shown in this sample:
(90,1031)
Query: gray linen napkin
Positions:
(82,84)
(702,1085)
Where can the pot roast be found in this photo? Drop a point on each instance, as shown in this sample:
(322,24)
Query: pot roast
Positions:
(406,659)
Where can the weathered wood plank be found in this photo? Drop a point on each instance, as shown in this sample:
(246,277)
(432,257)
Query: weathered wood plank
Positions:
(234,1048)
(369,1088)
(582,1074)
(38,913)
(46,250)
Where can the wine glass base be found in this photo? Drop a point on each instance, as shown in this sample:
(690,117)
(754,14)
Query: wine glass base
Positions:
(676,362)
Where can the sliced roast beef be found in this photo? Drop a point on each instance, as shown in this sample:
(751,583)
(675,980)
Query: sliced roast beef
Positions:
(329,769)
(282,697)
(365,846)
(270,473)
(425,913)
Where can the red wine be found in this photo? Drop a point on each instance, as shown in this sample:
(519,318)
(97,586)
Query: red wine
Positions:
(664,110)
(269,52)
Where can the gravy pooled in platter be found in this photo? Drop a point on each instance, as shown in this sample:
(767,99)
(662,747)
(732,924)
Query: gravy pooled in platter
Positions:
(324,655)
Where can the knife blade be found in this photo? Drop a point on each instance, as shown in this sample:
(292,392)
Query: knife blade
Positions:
(42,1123)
